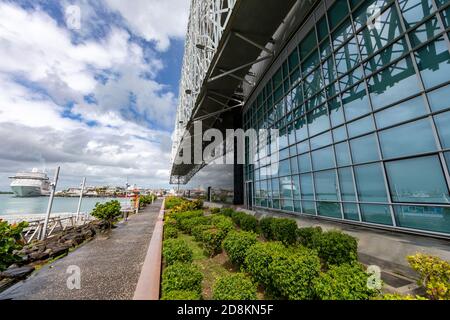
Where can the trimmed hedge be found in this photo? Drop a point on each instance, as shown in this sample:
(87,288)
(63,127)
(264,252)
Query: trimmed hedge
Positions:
(197,232)
(215,210)
(234,287)
(186,225)
(171,202)
(266,227)
(284,230)
(237,216)
(180,216)
(249,223)
(336,248)
(181,276)
(212,240)
(181,295)
(227,212)
(222,223)
(176,250)
(307,236)
(170,231)
(237,243)
(344,282)
(293,273)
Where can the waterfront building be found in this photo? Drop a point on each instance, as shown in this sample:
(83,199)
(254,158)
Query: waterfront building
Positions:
(359,91)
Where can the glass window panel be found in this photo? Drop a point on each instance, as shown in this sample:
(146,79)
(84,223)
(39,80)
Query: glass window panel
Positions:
(351,78)
(283,169)
(339,134)
(304,162)
(337,12)
(310,63)
(306,186)
(376,214)
(313,83)
(321,140)
(440,98)
(336,111)
(287,205)
(355,102)
(342,154)
(346,184)
(443,126)
(407,110)
(303,147)
(351,211)
(308,207)
(360,126)
(435,219)
(295,76)
(276,188)
(293,60)
(342,34)
(415,10)
(370,183)
(322,29)
(347,57)
(367,10)
(318,120)
(407,139)
(326,185)
(385,57)
(277,78)
(294,165)
(417,180)
(394,83)
(301,131)
(276,204)
(433,61)
(323,158)
(286,187)
(329,209)
(297,206)
(373,39)
(446,17)
(329,71)
(308,44)
(364,149)
(425,32)
(296,187)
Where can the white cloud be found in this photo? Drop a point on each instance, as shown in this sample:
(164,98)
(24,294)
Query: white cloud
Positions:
(155,20)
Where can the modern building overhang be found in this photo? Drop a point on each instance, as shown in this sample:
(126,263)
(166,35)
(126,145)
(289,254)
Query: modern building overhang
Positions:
(246,40)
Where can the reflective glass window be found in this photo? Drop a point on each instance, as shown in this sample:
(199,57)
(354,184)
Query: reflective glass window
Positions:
(296,187)
(415,10)
(294,165)
(326,185)
(276,188)
(308,207)
(323,158)
(286,187)
(339,134)
(376,214)
(337,12)
(355,102)
(346,184)
(304,162)
(401,112)
(440,98)
(329,209)
(360,126)
(347,57)
(364,149)
(442,121)
(342,154)
(321,140)
(351,211)
(385,57)
(306,186)
(425,32)
(435,219)
(318,120)
(370,183)
(336,111)
(283,169)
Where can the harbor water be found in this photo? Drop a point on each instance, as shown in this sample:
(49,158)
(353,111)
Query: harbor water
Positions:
(11,205)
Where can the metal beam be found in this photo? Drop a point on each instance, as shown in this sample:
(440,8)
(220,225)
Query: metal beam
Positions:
(237,34)
(239,68)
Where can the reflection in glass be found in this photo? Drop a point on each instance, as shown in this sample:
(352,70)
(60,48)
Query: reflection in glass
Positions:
(376,214)
(326,185)
(435,219)
(370,183)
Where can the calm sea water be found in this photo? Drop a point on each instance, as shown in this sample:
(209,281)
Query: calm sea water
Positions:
(12,205)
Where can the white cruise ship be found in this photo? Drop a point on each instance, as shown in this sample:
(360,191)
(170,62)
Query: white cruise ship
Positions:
(30,184)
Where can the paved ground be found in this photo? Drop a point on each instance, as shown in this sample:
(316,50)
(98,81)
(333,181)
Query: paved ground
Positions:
(110,267)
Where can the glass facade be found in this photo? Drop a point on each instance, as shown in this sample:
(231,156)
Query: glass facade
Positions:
(362,105)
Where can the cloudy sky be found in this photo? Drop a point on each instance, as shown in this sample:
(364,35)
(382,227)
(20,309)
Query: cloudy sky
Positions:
(97,98)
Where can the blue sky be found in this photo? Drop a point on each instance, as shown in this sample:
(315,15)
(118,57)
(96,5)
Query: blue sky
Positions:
(91,86)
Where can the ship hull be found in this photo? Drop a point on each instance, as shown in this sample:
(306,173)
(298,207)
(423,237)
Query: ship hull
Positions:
(26,191)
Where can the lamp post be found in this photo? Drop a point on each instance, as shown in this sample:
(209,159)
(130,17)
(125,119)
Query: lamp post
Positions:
(50,203)
(81,197)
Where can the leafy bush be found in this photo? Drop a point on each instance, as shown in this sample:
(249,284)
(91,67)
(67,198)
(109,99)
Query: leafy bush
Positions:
(335,247)
(344,282)
(222,223)
(187,205)
(284,230)
(293,273)
(197,232)
(108,212)
(215,210)
(249,223)
(170,231)
(227,212)
(212,240)
(180,216)
(266,227)
(434,275)
(186,225)
(181,295)
(396,296)
(234,287)
(10,241)
(237,243)
(237,216)
(307,236)
(258,258)
(181,276)
(171,202)
(176,250)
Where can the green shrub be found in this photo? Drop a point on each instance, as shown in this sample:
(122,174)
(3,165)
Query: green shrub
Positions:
(307,236)
(228,212)
(396,296)
(258,258)
(237,243)
(186,225)
(10,241)
(434,275)
(197,232)
(171,202)
(234,287)
(181,276)
(170,231)
(180,216)
(284,230)
(108,212)
(215,210)
(266,227)
(293,273)
(222,223)
(181,295)
(335,247)
(344,282)
(237,216)
(176,250)
(212,240)
(249,223)
(187,205)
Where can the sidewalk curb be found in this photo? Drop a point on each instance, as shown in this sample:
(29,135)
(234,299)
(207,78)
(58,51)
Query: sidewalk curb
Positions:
(148,284)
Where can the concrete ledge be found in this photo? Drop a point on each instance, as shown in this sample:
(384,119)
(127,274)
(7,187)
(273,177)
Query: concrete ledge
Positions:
(149,281)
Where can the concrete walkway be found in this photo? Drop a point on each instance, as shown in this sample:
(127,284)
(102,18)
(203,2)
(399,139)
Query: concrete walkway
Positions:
(109,266)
